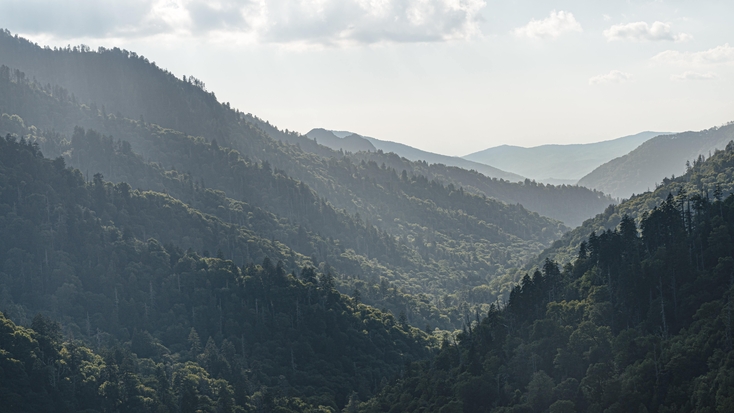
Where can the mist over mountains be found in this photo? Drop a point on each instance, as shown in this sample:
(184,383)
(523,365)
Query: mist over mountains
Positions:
(162,251)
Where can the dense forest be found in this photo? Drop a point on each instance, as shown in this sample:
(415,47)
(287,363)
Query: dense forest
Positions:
(710,178)
(102,259)
(641,321)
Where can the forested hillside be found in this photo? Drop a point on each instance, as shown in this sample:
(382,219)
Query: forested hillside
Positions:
(711,178)
(119,83)
(163,252)
(548,200)
(112,265)
(415,233)
(641,321)
(642,169)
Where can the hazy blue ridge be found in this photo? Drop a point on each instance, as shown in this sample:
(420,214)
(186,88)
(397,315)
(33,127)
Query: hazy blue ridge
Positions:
(346,140)
(660,157)
(558,163)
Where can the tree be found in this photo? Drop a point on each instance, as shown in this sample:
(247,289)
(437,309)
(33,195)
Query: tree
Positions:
(194,342)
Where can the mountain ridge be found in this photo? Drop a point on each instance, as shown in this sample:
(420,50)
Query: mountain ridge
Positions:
(406,235)
(552,161)
(660,157)
(346,140)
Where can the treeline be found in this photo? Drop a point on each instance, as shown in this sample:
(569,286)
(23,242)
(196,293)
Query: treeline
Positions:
(640,321)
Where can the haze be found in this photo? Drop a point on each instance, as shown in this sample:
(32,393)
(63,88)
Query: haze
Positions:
(451,77)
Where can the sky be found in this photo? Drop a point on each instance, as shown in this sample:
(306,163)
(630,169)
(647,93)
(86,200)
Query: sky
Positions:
(448,76)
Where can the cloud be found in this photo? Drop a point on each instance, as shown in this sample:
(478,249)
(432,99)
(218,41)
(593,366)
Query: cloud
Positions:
(717,55)
(334,22)
(615,76)
(78,18)
(222,15)
(317,22)
(641,31)
(551,27)
(693,76)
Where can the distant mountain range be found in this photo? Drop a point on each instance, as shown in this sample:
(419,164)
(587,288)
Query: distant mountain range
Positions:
(557,164)
(180,255)
(352,142)
(662,156)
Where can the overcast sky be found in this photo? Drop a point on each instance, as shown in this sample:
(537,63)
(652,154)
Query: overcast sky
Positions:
(449,76)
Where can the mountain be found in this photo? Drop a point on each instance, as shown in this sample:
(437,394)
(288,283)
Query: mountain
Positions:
(640,321)
(163,252)
(349,143)
(345,140)
(567,203)
(662,156)
(559,163)
(706,179)
(429,238)
(408,243)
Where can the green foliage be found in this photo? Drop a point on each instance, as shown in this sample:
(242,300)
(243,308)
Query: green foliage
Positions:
(640,321)
(704,179)
(167,326)
(432,244)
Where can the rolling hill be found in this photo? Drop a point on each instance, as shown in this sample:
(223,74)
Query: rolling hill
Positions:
(128,316)
(639,321)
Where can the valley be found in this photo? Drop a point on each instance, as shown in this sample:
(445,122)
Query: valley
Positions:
(163,251)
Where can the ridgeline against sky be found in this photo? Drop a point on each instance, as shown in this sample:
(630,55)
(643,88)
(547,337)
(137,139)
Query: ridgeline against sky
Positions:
(451,77)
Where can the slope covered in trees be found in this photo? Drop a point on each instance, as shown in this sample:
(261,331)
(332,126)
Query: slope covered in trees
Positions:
(112,264)
(119,83)
(711,178)
(547,200)
(417,234)
(665,155)
(641,321)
